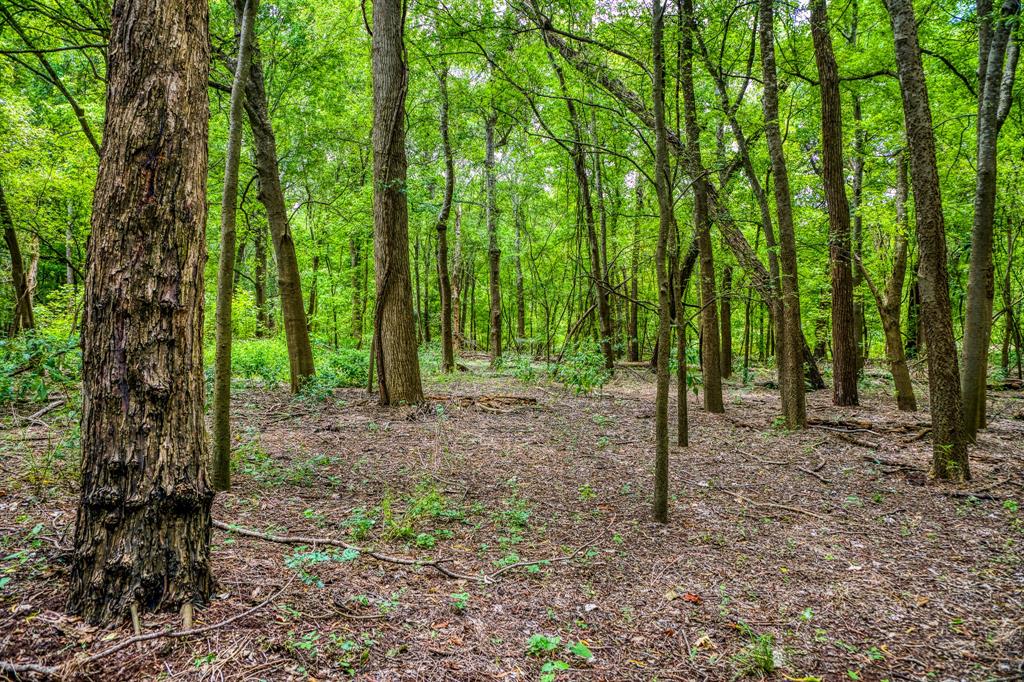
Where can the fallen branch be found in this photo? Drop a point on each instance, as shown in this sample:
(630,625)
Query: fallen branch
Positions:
(52,671)
(520,564)
(436,564)
(772,505)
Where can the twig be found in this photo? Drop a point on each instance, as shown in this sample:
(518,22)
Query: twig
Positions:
(49,671)
(772,505)
(436,564)
(520,564)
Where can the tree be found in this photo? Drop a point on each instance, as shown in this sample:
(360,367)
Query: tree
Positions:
(666,228)
(23,318)
(142,536)
(844,342)
(710,362)
(890,299)
(394,332)
(221,468)
(949,446)
(493,250)
(791,383)
(289,282)
(995,96)
(444,281)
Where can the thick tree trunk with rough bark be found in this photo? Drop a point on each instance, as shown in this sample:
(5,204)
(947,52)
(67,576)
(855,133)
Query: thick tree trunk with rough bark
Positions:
(666,228)
(220,470)
(394,332)
(844,342)
(142,536)
(23,318)
(792,351)
(444,282)
(493,250)
(980,282)
(949,445)
(289,284)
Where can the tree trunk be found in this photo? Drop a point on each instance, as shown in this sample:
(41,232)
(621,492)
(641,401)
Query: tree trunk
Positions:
(398,367)
(493,251)
(633,340)
(457,283)
(444,283)
(711,365)
(726,321)
(355,248)
(980,281)
(293,310)
(220,470)
(666,228)
(890,301)
(949,449)
(264,320)
(791,353)
(517,221)
(844,341)
(23,318)
(142,536)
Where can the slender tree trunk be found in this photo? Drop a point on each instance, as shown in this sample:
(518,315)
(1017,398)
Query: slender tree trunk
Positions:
(890,301)
(980,281)
(458,316)
(666,228)
(860,331)
(844,341)
(726,321)
(398,367)
(355,248)
(220,470)
(444,283)
(417,315)
(949,454)
(493,251)
(264,320)
(293,309)
(517,220)
(633,341)
(23,318)
(142,535)
(791,354)
(711,365)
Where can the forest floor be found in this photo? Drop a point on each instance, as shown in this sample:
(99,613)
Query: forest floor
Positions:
(824,554)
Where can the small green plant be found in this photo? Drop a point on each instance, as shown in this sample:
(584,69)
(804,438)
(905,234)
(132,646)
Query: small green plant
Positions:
(549,671)
(757,657)
(302,560)
(586,492)
(581,650)
(460,600)
(425,541)
(582,370)
(542,645)
(359,523)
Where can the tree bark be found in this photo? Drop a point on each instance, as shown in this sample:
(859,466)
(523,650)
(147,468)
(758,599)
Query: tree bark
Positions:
(980,280)
(293,309)
(142,535)
(220,469)
(493,250)
(444,282)
(517,221)
(844,342)
(355,256)
(666,228)
(398,367)
(23,318)
(633,340)
(793,345)
(710,358)
(457,284)
(726,321)
(949,449)
(890,301)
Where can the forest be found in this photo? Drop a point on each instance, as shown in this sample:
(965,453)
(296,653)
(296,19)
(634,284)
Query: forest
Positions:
(511,340)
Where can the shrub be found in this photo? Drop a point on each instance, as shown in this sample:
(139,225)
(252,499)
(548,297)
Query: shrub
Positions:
(582,370)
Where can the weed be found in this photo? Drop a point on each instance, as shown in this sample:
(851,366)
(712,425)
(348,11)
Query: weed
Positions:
(542,645)
(757,657)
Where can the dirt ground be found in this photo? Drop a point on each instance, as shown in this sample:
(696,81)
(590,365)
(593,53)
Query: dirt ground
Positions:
(824,554)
